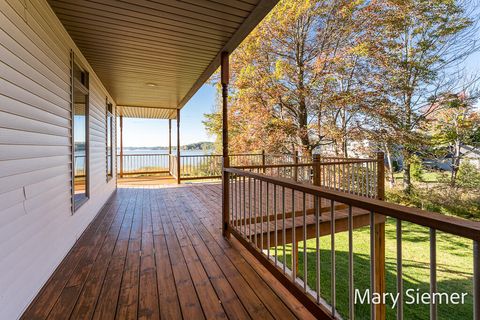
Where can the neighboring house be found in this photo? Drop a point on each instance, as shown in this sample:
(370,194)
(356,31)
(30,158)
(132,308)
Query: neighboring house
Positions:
(472,155)
(468,153)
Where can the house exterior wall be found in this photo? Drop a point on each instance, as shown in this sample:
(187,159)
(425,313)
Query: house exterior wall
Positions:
(37,227)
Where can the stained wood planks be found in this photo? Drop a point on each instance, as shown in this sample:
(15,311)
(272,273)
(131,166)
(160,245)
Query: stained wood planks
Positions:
(158,253)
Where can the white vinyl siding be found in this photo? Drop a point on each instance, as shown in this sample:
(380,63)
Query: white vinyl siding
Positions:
(37,227)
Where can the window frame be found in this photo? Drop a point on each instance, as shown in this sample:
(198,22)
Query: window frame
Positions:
(83,86)
(109,115)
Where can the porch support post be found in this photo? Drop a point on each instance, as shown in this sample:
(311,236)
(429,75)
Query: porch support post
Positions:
(476,280)
(169,136)
(225,76)
(121,146)
(178,146)
(169,145)
(380,239)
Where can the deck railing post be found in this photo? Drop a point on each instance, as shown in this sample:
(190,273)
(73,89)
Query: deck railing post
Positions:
(380,176)
(225,75)
(316,170)
(380,239)
(121,146)
(263,161)
(178,146)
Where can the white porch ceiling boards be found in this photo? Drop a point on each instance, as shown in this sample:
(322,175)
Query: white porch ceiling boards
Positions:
(147,112)
(157,53)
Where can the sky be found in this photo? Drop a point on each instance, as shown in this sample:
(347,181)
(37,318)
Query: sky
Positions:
(154,132)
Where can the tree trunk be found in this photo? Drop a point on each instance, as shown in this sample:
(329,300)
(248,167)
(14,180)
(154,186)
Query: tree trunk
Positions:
(390,167)
(455,164)
(335,148)
(303,127)
(407,182)
(344,133)
(307,152)
(345,147)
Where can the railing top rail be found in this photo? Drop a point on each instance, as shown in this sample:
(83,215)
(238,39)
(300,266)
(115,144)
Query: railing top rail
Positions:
(199,155)
(284,165)
(144,154)
(452,225)
(347,161)
(219,155)
(307,164)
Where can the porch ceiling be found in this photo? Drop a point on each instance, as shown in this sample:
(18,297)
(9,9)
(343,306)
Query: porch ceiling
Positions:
(157,53)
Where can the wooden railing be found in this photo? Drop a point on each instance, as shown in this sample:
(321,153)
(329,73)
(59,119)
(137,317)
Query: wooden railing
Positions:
(196,167)
(356,176)
(144,164)
(200,167)
(271,216)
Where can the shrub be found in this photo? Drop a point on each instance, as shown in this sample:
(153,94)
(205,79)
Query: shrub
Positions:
(468,176)
(416,168)
(458,202)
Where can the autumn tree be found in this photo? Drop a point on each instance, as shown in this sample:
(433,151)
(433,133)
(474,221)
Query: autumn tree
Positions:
(415,44)
(456,124)
(342,70)
(282,76)
(327,72)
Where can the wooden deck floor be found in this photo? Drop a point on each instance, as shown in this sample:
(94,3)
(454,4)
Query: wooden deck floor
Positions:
(158,253)
(146,181)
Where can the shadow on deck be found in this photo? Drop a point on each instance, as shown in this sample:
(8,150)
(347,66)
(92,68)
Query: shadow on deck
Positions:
(156,250)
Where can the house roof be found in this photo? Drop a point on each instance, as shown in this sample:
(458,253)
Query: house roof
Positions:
(157,53)
(472,151)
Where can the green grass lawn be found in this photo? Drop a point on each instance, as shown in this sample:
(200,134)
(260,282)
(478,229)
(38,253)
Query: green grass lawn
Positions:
(454,269)
(427,176)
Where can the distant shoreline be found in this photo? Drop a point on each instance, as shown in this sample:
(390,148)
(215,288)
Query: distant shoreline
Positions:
(198,146)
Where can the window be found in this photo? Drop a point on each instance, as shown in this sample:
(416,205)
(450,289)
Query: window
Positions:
(80,135)
(109,143)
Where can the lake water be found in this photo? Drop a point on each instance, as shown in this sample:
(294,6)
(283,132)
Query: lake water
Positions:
(174,152)
(135,163)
